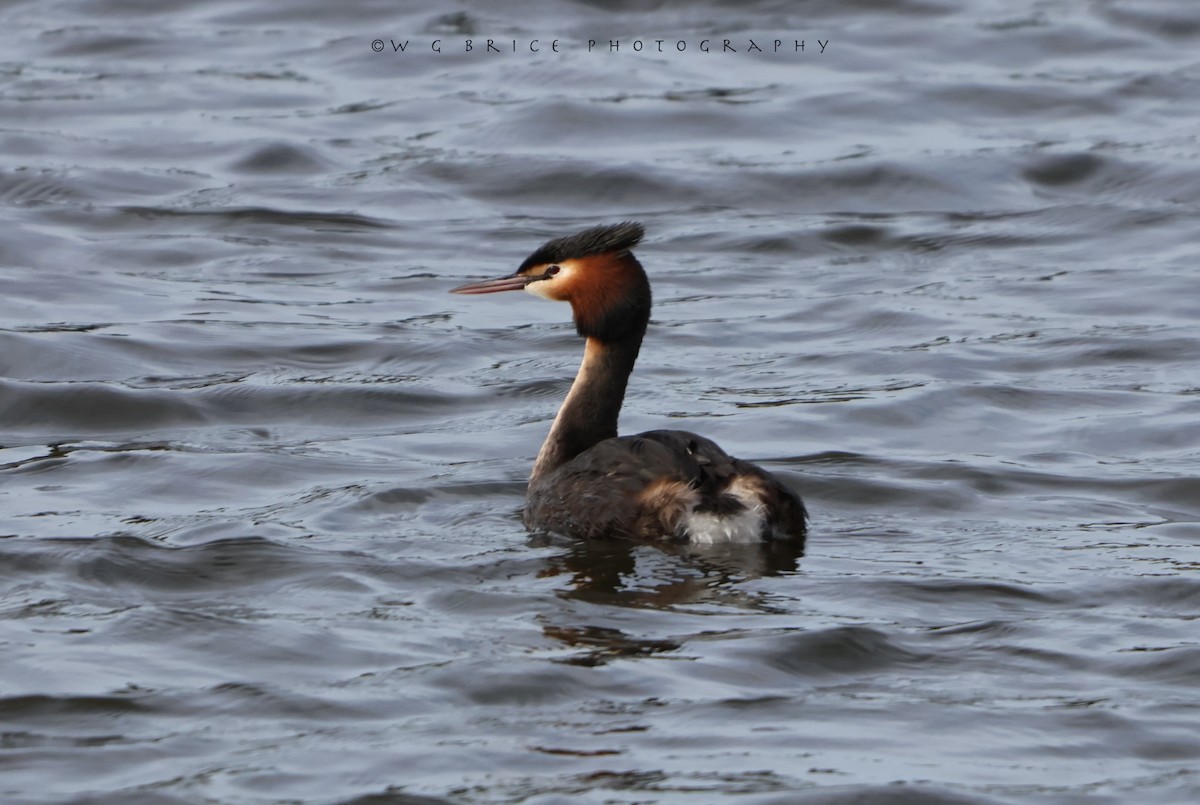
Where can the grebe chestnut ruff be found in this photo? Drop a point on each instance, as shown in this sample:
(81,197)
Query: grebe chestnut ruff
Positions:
(659,485)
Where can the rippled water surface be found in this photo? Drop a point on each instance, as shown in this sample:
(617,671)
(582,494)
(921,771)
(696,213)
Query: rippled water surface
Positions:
(260,475)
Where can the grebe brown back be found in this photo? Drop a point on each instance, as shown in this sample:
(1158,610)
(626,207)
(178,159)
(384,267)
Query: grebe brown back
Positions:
(662,484)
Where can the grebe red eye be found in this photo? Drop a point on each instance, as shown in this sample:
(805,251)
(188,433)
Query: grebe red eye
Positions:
(552,270)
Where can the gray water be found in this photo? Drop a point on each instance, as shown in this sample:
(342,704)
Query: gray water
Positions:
(260,475)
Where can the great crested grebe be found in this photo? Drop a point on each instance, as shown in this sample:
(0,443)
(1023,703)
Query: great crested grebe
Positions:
(658,485)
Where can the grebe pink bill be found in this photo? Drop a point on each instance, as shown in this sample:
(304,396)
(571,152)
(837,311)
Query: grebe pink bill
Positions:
(660,485)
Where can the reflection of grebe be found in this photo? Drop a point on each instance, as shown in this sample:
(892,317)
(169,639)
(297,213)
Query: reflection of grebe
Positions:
(663,484)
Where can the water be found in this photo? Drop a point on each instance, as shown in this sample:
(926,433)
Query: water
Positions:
(260,475)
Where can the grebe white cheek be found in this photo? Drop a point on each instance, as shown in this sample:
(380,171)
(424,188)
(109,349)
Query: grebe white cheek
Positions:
(552,282)
(666,484)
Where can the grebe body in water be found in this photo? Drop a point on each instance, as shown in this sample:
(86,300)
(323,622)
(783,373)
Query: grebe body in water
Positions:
(658,485)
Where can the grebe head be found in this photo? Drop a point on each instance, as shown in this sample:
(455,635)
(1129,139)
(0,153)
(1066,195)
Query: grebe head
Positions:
(595,271)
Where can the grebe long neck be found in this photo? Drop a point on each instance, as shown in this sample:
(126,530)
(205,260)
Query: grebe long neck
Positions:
(589,413)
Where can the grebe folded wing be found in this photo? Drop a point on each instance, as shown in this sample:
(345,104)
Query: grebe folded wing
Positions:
(664,484)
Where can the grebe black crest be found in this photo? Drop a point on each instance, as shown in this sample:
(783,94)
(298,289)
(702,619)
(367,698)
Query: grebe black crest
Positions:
(658,485)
